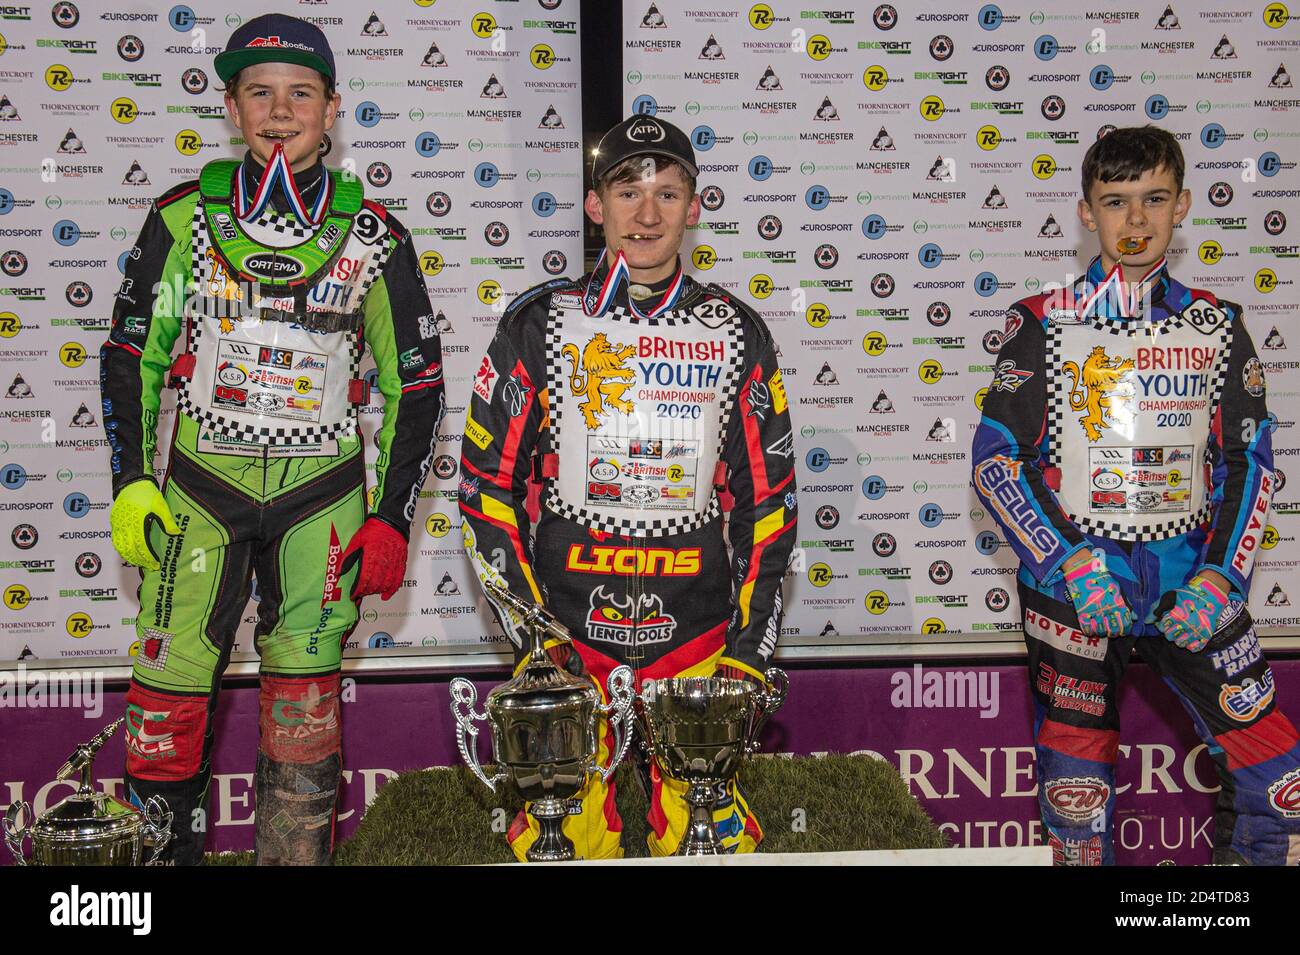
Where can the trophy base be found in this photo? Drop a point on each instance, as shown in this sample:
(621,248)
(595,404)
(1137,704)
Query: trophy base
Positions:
(702,835)
(552,845)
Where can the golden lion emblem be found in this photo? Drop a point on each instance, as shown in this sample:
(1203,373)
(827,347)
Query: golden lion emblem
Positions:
(602,364)
(222,286)
(1106,391)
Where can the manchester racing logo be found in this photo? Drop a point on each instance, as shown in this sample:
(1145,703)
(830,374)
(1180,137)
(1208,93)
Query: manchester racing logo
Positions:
(602,363)
(1106,392)
(627,621)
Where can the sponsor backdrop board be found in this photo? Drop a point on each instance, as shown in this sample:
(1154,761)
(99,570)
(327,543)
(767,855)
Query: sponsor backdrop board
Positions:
(462,119)
(880,180)
(883,180)
(960,738)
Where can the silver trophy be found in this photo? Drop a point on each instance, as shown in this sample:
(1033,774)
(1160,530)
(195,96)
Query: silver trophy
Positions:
(699,729)
(89,827)
(544,728)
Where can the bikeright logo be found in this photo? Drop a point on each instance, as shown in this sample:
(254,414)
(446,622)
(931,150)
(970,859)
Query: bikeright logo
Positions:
(53,689)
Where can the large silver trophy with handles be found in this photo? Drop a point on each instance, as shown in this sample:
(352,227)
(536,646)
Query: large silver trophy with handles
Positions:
(544,728)
(89,827)
(699,729)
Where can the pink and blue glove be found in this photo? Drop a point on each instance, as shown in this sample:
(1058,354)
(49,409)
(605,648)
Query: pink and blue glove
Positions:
(1101,608)
(1187,615)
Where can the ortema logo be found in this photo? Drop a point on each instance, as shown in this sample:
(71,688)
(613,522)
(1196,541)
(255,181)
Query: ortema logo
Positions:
(273,266)
(1078,798)
(75,907)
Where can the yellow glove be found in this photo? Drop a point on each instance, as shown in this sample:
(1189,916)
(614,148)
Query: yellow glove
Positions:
(129,518)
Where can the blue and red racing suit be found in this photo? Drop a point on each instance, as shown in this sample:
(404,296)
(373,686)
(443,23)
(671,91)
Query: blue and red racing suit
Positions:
(639,418)
(1139,429)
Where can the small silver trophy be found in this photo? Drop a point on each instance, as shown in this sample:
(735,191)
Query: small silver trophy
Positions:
(89,827)
(544,728)
(699,729)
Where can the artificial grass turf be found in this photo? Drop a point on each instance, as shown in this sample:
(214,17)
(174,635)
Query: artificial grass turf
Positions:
(834,803)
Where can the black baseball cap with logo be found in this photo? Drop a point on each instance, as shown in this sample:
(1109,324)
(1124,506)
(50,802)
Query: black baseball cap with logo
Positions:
(276,38)
(643,136)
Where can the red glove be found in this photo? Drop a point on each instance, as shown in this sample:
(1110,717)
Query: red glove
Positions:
(736,673)
(382,552)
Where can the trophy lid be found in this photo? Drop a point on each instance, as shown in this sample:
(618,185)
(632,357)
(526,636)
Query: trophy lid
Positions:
(541,685)
(87,814)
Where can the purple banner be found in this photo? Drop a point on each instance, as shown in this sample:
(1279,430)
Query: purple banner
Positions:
(967,758)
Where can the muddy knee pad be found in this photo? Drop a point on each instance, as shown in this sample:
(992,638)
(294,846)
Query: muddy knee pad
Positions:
(298,769)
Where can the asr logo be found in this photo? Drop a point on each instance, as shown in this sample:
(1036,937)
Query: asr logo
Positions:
(1104,387)
(603,378)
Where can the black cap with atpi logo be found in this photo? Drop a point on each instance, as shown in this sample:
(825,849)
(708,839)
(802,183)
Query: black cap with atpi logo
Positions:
(643,136)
